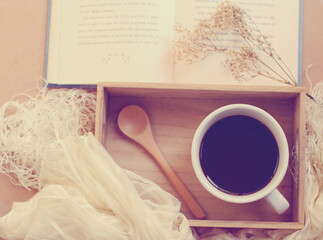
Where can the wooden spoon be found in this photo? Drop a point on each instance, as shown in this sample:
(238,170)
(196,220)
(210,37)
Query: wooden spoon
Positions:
(134,123)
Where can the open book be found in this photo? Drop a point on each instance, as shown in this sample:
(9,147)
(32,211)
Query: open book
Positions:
(93,41)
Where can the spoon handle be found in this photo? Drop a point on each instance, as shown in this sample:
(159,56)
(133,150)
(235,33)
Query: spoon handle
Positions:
(190,201)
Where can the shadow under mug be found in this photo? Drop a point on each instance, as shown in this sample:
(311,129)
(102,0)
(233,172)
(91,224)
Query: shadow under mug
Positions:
(269,192)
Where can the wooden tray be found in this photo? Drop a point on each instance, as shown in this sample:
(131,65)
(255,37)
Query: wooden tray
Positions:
(175,112)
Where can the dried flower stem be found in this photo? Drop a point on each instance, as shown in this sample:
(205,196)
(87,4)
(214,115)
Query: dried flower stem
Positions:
(274,54)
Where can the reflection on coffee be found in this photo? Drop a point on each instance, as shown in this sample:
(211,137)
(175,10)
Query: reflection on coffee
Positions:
(239,155)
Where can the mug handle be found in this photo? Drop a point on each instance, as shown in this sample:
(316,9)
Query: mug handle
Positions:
(277,201)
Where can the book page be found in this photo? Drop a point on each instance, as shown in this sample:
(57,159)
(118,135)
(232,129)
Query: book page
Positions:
(111,40)
(278,20)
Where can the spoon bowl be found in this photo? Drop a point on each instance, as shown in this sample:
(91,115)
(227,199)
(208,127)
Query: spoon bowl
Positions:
(133,120)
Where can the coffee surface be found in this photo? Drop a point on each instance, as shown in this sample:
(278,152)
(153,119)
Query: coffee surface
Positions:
(239,155)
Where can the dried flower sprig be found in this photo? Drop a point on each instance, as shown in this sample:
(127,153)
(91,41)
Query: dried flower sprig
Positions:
(252,56)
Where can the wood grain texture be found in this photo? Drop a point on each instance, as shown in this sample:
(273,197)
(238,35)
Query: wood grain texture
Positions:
(175,112)
(299,159)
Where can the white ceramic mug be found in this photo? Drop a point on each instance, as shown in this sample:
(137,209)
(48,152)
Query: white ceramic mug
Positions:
(269,192)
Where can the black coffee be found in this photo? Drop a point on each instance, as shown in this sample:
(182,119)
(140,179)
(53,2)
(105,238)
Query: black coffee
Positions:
(239,155)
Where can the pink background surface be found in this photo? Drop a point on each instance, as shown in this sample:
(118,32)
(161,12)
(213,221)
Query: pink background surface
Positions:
(23,26)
